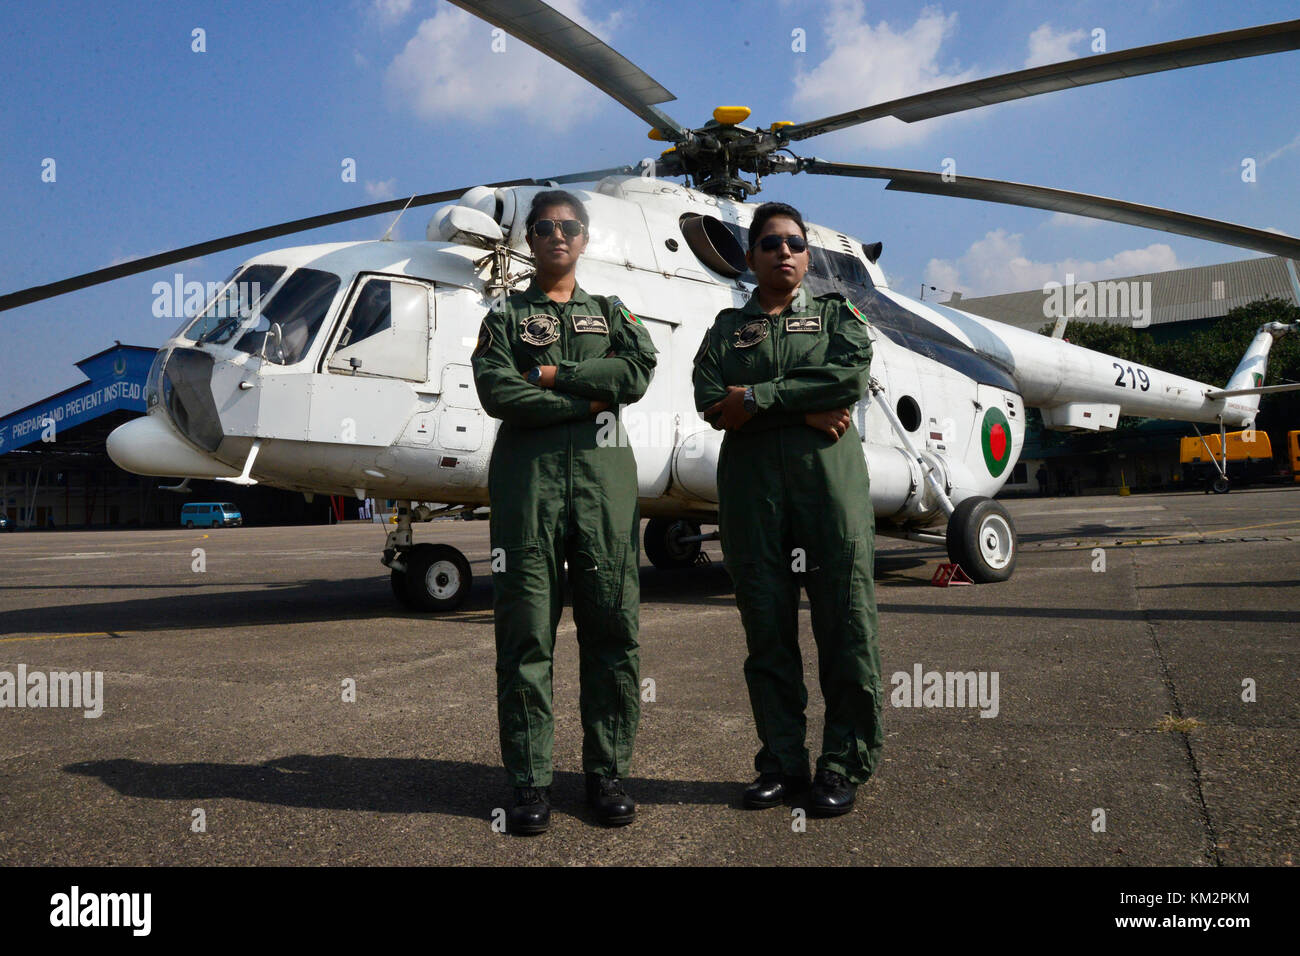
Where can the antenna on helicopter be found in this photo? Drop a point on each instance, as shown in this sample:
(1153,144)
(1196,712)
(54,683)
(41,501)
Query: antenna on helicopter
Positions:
(387,237)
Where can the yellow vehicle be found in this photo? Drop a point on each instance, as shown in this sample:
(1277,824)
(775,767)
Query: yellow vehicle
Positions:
(1293,446)
(1249,458)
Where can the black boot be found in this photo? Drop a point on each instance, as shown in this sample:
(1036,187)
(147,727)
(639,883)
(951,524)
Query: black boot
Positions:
(609,801)
(832,795)
(771,790)
(531,812)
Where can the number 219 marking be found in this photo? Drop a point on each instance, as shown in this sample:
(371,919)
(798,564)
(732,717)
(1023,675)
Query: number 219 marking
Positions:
(1132,377)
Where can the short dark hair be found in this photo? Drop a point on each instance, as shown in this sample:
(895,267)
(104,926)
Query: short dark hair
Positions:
(770,210)
(556,197)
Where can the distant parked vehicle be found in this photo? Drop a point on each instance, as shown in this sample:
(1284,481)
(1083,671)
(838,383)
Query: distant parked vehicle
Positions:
(210,514)
(6,524)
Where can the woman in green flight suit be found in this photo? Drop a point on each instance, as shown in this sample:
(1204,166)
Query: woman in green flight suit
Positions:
(780,375)
(554,363)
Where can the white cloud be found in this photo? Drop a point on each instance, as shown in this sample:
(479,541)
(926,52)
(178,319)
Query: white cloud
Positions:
(1278,152)
(381,190)
(448,70)
(997,264)
(390,12)
(1048,46)
(872,64)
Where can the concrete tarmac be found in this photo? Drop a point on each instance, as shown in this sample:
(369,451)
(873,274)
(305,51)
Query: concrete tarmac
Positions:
(1147,707)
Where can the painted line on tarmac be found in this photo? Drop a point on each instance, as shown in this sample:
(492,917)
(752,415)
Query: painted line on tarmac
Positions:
(1088,511)
(1079,544)
(56,637)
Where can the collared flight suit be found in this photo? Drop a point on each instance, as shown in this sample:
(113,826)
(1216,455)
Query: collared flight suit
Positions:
(795,506)
(563,485)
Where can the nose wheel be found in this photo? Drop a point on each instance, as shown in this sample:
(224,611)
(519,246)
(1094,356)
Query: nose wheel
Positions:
(437,577)
(672,544)
(982,540)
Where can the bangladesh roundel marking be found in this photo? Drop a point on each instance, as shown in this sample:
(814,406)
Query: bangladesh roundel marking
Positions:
(995,440)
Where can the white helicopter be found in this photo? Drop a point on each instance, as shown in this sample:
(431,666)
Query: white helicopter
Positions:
(345,368)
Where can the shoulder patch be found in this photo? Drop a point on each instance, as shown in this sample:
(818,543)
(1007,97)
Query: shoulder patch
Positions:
(622,311)
(704,346)
(854,309)
(484,341)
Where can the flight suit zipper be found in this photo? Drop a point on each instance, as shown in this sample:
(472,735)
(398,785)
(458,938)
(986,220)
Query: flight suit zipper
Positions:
(562,307)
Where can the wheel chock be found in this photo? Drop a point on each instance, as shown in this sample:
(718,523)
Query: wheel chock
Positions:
(949,575)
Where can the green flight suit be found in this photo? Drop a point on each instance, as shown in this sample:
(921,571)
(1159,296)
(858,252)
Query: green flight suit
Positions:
(563,485)
(795,507)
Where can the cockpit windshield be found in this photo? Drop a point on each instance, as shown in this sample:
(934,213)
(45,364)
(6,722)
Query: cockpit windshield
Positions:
(288,323)
(235,303)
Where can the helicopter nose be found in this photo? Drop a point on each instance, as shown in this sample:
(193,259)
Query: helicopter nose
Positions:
(147,446)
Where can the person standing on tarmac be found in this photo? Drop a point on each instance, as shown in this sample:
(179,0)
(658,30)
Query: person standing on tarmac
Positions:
(780,375)
(554,363)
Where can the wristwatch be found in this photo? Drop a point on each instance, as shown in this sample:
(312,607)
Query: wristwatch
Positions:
(751,404)
(534,375)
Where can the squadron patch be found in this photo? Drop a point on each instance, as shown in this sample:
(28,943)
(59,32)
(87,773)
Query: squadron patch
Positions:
(590,323)
(704,347)
(539,329)
(803,323)
(484,341)
(751,333)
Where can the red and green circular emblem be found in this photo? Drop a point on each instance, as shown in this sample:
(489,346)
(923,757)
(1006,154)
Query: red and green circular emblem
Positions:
(995,440)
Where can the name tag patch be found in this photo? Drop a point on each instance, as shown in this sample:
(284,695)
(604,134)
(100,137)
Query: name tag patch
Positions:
(540,329)
(751,333)
(590,323)
(803,323)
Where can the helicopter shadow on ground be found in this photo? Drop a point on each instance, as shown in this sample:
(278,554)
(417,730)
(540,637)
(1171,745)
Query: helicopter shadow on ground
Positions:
(355,599)
(370,784)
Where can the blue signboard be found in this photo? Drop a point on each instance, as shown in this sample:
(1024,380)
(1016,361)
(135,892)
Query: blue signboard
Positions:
(117,379)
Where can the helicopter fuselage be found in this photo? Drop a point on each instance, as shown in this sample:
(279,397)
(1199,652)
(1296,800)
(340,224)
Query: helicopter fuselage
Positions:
(351,374)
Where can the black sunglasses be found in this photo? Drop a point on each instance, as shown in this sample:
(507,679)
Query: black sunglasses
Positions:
(771,243)
(572,228)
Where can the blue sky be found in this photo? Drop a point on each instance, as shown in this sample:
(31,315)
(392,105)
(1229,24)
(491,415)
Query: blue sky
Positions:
(157,146)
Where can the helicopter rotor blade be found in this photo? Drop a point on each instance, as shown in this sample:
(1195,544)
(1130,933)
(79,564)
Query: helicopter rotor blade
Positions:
(1155,58)
(553,34)
(1060,200)
(36,293)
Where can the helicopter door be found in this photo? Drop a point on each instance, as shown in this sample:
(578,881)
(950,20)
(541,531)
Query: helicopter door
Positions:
(386,332)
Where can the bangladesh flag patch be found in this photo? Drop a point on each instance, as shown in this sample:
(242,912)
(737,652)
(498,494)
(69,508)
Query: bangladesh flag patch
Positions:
(625,312)
(861,318)
(995,440)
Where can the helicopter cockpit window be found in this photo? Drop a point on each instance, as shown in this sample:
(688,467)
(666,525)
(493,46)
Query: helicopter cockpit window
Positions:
(386,332)
(233,304)
(298,309)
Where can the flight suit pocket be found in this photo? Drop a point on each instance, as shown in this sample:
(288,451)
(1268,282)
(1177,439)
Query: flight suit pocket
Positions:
(602,577)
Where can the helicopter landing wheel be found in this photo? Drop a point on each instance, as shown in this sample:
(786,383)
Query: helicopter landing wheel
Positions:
(982,540)
(1221,486)
(664,547)
(437,578)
